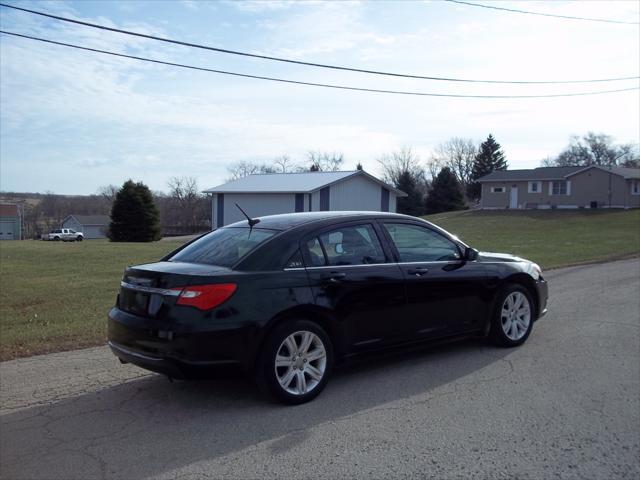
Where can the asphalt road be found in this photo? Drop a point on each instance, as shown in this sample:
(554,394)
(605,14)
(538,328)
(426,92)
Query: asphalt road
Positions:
(564,405)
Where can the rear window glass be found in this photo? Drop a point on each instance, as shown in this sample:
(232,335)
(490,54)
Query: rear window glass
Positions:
(223,247)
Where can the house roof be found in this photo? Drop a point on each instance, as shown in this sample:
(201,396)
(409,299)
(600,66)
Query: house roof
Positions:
(8,210)
(305,182)
(90,219)
(541,173)
(626,172)
(554,173)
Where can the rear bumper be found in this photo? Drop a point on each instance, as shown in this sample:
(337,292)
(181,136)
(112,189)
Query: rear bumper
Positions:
(148,362)
(182,369)
(179,351)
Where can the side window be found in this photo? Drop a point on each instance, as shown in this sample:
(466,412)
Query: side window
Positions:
(353,245)
(419,244)
(315,253)
(295,261)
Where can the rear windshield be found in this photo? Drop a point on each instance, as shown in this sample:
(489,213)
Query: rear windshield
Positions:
(223,247)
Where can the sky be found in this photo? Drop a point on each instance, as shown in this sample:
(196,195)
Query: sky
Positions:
(72,121)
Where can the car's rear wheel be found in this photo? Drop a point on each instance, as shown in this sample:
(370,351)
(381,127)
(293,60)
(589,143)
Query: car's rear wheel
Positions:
(513,318)
(296,361)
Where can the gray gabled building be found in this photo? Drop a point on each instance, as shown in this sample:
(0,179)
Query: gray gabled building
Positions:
(91,226)
(270,194)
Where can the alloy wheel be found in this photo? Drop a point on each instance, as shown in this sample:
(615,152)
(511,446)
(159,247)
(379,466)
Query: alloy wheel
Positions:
(301,362)
(515,315)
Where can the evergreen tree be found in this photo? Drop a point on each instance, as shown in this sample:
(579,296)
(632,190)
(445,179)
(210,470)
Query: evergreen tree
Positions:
(446,193)
(412,203)
(134,216)
(490,157)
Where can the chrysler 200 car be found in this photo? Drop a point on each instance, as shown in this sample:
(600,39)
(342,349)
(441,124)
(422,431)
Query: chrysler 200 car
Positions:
(287,296)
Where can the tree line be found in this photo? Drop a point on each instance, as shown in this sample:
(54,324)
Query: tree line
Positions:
(182,209)
(446,181)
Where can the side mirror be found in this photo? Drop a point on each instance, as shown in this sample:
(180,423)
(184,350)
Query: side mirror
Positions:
(471,254)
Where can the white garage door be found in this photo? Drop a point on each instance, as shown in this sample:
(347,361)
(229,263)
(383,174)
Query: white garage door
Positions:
(7,230)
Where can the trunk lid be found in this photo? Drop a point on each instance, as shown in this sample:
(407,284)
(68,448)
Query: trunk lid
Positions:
(148,290)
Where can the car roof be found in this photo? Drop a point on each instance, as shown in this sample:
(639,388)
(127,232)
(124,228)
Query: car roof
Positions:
(287,221)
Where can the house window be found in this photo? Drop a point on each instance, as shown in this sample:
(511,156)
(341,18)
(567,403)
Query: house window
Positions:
(534,187)
(635,187)
(559,187)
(497,189)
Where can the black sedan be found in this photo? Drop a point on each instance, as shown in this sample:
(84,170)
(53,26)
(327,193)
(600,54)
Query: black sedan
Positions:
(287,296)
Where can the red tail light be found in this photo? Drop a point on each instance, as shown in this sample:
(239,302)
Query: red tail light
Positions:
(205,297)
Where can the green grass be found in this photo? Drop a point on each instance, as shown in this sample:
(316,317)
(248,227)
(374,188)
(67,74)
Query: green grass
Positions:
(550,238)
(56,295)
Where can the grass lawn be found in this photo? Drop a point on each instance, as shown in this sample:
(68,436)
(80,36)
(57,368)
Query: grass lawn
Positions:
(55,296)
(550,238)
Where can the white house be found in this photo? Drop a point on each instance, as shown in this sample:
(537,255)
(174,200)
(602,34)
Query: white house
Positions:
(270,194)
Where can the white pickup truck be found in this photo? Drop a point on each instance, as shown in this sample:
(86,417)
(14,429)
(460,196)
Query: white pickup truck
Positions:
(64,234)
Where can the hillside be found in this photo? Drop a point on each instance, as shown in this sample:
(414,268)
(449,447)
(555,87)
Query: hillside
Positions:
(550,238)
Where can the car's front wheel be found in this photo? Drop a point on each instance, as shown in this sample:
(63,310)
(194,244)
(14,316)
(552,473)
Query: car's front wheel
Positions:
(296,361)
(79,238)
(513,318)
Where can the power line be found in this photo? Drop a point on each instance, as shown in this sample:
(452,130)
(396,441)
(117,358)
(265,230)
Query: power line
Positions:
(566,17)
(299,62)
(312,84)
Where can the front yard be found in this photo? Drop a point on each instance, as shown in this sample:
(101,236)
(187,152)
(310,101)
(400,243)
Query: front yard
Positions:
(56,295)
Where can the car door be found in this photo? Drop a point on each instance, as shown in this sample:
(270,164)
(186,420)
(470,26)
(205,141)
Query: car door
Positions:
(356,279)
(446,294)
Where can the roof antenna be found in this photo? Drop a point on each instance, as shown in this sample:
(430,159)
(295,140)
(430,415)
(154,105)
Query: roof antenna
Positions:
(252,221)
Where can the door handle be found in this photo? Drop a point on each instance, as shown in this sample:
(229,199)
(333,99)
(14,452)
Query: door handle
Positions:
(333,277)
(418,272)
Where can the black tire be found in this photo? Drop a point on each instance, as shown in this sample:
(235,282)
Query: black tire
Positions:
(56,239)
(79,238)
(267,372)
(501,320)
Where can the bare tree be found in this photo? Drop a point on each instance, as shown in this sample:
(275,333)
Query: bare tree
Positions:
(396,163)
(325,161)
(433,167)
(108,192)
(629,156)
(183,189)
(185,198)
(595,149)
(284,164)
(403,170)
(458,154)
(244,169)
